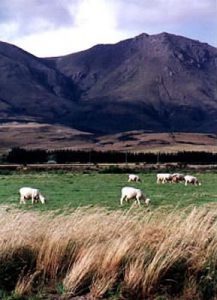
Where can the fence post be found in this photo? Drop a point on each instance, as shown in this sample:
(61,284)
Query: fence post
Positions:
(126,158)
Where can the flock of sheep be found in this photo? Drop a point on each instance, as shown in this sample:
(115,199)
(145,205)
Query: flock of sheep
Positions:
(127,192)
(176,178)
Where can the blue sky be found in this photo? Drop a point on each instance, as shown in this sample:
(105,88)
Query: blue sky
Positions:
(58,27)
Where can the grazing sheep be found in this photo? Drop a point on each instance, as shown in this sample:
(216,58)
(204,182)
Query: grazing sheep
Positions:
(164,177)
(192,180)
(129,193)
(28,193)
(133,177)
(178,177)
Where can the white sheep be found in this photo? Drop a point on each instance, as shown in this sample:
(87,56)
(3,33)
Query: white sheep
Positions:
(28,193)
(129,193)
(178,177)
(133,177)
(164,177)
(192,180)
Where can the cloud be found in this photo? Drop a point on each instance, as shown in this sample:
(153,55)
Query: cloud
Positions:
(34,16)
(58,27)
(165,12)
(94,21)
(195,19)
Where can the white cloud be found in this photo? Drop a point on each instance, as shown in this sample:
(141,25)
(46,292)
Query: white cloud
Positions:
(8,30)
(94,23)
(165,11)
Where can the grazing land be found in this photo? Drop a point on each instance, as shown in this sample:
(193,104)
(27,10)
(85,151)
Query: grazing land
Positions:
(82,246)
(66,189)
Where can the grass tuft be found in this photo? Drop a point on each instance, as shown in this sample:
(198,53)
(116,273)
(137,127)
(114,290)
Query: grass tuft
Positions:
(127,254)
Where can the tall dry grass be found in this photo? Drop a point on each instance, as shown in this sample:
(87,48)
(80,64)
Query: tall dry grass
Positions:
(135,255)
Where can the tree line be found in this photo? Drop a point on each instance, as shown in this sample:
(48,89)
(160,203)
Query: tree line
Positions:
(24,156)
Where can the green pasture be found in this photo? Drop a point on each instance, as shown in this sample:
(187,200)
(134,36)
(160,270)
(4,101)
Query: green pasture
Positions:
(68,190)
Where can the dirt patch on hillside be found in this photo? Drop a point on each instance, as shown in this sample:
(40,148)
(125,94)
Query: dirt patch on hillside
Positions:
(44,136)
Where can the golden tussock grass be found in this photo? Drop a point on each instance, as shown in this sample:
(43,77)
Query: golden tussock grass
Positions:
(136,255)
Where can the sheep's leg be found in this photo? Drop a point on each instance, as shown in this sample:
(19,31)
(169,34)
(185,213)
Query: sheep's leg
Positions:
(138,201)
(121,200)
(22,200)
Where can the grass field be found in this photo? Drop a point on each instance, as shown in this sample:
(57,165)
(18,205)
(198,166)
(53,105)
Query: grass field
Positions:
(74,190)
(162,253)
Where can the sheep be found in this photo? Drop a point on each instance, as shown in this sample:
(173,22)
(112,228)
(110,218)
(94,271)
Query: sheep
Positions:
(178,177)
(128,193)
(192,180)
(28,193)
(164,177)
(133,177)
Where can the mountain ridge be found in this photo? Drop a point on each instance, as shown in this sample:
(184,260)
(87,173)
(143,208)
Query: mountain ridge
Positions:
(160,75)
(155,83)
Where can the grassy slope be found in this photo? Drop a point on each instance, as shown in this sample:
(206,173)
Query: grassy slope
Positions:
(73,190)
(31,135)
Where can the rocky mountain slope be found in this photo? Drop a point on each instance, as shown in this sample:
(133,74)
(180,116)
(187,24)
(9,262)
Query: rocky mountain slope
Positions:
(158,83)
(154,83)
(30,90)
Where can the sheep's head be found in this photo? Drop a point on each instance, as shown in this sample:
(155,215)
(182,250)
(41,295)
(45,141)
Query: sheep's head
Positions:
(42,199)
(147,201)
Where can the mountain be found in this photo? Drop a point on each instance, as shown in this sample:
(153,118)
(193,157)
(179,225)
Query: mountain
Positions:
(153,83)
(32,91)
(158,83)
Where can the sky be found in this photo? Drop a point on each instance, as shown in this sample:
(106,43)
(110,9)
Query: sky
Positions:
(48,28)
